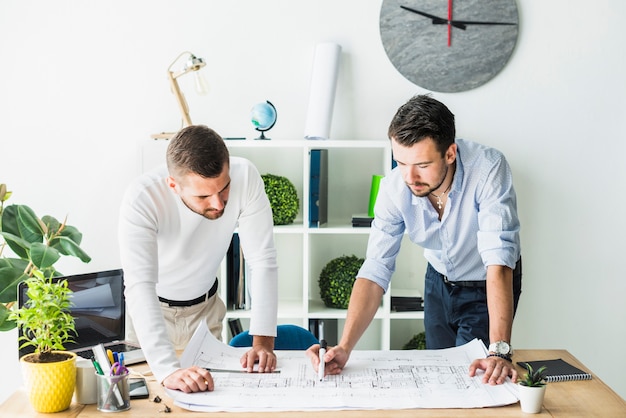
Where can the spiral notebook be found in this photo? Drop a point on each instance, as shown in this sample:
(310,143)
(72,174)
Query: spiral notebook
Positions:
(557,370)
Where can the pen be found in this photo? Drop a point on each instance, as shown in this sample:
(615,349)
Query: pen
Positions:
(322,366)
(96,365)
(213,370)
(110,356)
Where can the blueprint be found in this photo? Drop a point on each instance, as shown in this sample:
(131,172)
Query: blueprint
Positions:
(396,379)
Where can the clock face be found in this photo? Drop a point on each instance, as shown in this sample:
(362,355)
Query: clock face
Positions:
(449,45)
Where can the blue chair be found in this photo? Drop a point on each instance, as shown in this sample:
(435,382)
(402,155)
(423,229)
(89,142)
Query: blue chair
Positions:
(288,337)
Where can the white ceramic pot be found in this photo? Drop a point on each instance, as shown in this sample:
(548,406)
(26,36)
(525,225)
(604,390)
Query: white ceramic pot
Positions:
(531,398)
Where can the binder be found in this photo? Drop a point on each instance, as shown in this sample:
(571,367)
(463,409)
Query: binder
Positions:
(233,261)
(318,190)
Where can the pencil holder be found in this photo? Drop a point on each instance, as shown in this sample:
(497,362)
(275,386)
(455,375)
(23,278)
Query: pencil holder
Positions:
(113,393)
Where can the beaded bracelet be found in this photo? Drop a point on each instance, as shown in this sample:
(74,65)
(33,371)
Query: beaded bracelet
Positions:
(504,356)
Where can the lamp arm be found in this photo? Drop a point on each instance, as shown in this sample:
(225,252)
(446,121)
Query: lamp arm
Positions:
(180,99)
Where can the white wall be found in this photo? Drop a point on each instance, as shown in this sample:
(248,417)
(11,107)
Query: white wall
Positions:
(82,84)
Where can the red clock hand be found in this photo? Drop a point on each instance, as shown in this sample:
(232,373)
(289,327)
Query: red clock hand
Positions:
(449,23)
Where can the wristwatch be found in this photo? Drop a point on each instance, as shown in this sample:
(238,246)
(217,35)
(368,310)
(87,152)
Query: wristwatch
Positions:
(501,348)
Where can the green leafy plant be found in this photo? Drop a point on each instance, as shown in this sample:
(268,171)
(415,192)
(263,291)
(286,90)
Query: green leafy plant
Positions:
(417,342)
(37,244)
(534,378)
(45,318)
(283,198)
(336,280)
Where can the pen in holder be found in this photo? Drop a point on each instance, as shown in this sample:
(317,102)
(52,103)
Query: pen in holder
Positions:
(113,392)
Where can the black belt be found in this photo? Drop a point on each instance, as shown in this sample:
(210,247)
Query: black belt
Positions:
(467,283)
(192,301)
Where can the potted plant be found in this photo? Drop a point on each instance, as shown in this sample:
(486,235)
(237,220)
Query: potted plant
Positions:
(417,342)
(532,389)
(336,280)
(283,198)
(45,320)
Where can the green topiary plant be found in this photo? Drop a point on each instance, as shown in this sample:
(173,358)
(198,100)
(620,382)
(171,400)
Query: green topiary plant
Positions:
(418,342)
(283,198)
(336,280)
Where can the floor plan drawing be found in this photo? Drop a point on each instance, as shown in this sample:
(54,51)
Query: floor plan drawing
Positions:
(395,379)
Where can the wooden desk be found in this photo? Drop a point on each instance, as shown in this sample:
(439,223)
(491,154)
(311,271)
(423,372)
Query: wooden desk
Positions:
(588,398)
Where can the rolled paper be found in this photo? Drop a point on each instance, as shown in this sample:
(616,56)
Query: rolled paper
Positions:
(322,94)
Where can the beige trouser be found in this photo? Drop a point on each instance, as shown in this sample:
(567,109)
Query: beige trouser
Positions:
(182,322)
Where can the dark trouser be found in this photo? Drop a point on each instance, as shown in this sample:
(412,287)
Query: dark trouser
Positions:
(455,315)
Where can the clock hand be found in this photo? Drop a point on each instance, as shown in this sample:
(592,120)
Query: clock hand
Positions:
(469,22)
(449,23)
(436,20)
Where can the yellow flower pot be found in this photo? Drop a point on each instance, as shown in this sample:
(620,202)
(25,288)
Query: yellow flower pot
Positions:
(50,385)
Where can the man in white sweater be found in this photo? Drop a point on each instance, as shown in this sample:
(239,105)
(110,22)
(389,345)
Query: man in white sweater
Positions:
(176,224)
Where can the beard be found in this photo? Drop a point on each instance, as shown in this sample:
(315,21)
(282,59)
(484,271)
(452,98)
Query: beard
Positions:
(208,213)
(426,188)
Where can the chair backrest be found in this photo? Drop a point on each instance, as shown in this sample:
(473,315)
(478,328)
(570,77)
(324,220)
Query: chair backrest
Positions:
(288,337)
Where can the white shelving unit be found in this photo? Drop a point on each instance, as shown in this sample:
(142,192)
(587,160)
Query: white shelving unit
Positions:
(303,251)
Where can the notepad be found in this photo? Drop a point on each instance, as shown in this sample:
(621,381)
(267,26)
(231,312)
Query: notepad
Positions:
(557,370)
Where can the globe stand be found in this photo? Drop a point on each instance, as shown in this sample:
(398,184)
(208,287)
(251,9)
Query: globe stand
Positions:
(262,137)
(264,117)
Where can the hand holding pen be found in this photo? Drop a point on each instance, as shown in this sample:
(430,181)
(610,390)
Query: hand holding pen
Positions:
(331,362)
(322,365)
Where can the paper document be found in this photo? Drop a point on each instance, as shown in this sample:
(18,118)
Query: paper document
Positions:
(396,379)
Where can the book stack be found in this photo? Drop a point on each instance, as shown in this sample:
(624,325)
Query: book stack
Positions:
(403,300)
(362,220)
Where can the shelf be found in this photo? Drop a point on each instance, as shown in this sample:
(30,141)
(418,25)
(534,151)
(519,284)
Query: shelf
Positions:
(302,251)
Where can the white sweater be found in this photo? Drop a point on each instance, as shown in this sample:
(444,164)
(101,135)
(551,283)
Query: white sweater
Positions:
(169,251)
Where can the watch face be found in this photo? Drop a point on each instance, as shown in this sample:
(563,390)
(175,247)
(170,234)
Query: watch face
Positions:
(503,348)
(449,46)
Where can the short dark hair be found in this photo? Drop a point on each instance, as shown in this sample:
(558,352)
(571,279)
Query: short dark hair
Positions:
(197,149)
(423,117)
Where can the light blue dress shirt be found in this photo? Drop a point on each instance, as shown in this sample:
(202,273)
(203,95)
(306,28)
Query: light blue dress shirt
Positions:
(479,226)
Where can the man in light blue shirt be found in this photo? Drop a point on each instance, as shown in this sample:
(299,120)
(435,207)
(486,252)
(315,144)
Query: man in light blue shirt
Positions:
(456,200)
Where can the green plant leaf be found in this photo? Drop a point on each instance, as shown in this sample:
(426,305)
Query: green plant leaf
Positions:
(43,256)
(10,277)
(6,324)
(30,221)
(66,246)
(21,222)
(51,223)
(14,242)
(534,378)
(72,233)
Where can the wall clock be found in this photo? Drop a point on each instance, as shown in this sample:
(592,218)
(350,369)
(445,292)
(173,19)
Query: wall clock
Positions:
(449,45)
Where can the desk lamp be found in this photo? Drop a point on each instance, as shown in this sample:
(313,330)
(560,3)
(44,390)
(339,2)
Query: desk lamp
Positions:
(194,64)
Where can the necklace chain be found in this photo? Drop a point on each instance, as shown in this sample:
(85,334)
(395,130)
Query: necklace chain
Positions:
(439,201)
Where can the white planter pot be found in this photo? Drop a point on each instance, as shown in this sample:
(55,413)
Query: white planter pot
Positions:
(531,398)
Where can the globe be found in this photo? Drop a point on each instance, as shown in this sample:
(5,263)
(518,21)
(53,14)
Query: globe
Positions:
(263,116)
